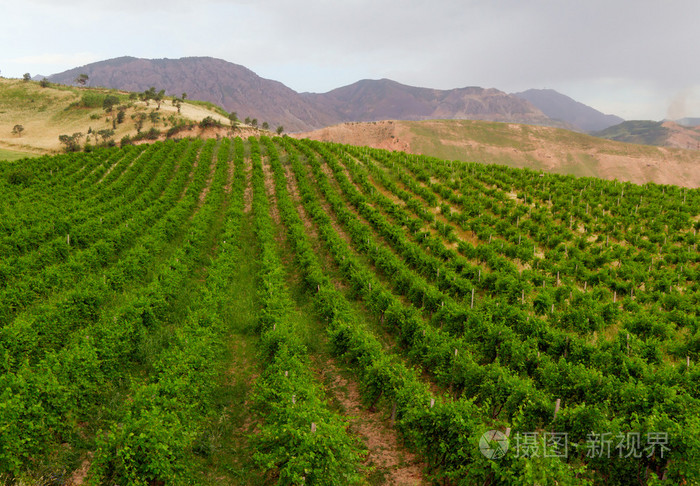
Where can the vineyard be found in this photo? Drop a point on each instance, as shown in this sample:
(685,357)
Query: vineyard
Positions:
(508,326)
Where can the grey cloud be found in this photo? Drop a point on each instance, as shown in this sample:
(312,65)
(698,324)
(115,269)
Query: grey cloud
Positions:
(507,44)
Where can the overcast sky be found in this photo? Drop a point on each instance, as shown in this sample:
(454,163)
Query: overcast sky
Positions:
(637,59)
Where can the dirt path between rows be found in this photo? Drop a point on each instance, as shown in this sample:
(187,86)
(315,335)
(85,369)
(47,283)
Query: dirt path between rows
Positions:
(393,463)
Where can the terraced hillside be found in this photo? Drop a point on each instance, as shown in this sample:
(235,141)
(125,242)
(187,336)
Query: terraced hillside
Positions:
(296,312)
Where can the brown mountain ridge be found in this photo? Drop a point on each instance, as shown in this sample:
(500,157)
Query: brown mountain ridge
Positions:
(237,88)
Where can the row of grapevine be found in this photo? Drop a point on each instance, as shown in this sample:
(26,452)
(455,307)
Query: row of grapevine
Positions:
(151,439)
(616,392)
(562,312)
(301,439)
(65,360)
(445,432)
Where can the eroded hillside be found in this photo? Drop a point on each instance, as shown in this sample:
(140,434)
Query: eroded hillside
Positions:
(544,148)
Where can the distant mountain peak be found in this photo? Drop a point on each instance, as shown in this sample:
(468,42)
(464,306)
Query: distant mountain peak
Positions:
(561,107)
(237,88)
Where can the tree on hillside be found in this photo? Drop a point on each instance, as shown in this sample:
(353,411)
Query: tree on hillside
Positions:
(209,122)
(158,98)
(82,79)
(121,113)
(26,77)
(254,122)
(109,102)
(17,130)
(247,120)
(184,96)
(149,94)
(280,129)
(44,83)
(265,126)
(106,134)
(138,121)
(233,117)
(154,117)
(71,142)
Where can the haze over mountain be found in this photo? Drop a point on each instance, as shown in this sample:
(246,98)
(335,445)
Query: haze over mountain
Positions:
(689,122)
(560,107)
(239,89)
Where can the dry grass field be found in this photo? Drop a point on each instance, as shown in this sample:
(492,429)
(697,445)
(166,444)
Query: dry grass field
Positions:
(45,113)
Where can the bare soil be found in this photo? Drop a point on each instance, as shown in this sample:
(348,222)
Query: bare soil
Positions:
(80,475)
(210,178)
(270,190)
(391,460)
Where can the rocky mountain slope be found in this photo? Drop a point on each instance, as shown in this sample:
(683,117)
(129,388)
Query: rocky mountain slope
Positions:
(239,89)
(384,99)
(231,86)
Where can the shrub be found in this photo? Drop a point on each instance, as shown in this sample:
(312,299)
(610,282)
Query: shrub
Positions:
(90,100)
(108,102)
(151,134)
(209,122)
(175,129)
(71,142)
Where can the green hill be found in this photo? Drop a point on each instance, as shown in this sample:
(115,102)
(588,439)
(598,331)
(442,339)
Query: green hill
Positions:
(645,132)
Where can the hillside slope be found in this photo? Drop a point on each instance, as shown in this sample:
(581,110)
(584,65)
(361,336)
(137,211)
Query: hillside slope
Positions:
(45,113)
(551,149)
(663,133)
(254,312)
